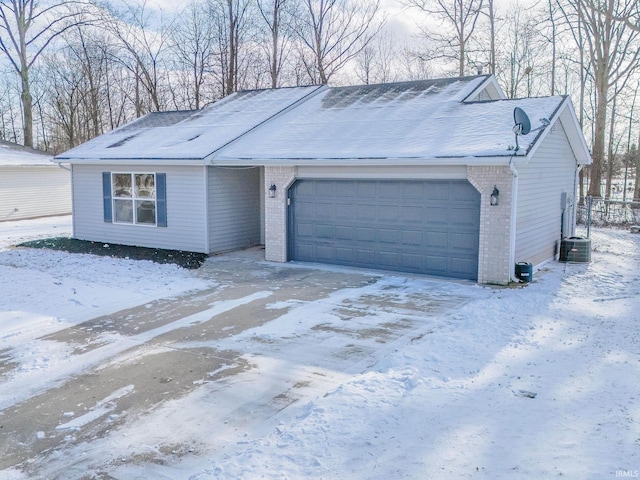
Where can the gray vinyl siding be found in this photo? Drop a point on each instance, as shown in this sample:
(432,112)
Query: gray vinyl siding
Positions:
(234,208)
(540,186)
(186,212)
(34,191)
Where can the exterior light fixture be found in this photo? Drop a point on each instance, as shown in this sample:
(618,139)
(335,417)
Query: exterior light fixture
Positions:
(495,196)
(272,191)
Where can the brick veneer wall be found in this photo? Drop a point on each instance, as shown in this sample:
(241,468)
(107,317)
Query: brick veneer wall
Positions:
(275,211)
(494,258)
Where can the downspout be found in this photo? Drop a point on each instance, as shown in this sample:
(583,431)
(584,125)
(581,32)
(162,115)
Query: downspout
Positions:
(514,206)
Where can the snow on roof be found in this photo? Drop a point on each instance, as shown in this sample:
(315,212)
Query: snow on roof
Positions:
(408,120)
(14,155)
(192,134)
(405,121)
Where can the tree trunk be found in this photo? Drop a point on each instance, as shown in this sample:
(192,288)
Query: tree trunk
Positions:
(599,137)
(636,190)
(610,157)
(27,108)
(553,49)
(492,28)
(275,34)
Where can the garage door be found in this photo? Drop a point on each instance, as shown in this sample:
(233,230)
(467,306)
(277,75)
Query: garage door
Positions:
(429,227)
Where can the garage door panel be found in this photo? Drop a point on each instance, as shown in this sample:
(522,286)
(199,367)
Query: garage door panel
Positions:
(389,190)
(343,190)
(365,190)
(439,192)
(324,231)
(366,212)
(461,265)
(411,214)
(389,259)
(345,212)
(324,252)
(436,240)
(429,227)
(325,210)
(387,235)
(462,216)
(366,235)
(366,257)
(411,238)
(409,262)
(344,255)
(436,264)
(437,216)
(388,213)
(344,232)
(412,191)
(305,230)
(464,242)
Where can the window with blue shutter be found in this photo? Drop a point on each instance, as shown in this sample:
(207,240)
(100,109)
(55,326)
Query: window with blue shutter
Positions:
(135,198)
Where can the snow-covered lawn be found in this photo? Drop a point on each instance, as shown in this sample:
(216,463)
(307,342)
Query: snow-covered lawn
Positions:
(534,382)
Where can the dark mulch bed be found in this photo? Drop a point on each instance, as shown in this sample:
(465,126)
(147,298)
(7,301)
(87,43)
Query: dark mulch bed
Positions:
(190,260)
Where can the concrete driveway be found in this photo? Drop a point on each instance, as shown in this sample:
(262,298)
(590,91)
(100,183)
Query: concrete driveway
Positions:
(301,330)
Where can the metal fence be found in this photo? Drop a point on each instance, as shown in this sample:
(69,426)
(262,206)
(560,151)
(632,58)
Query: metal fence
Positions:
(603,212)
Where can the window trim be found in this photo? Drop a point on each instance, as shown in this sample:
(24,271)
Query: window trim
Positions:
(134,199)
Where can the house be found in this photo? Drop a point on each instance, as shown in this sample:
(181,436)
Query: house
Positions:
(394,176)
(31,185)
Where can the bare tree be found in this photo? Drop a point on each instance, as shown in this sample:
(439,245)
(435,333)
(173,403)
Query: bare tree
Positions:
(459,18)
(231,22)
(334,32)
(378,61)
(278,17)
(613,54)
(142,52)
(518,52)
(193,45)
(26,30)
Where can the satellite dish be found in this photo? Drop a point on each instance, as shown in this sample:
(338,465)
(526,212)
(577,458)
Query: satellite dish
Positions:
(522,122)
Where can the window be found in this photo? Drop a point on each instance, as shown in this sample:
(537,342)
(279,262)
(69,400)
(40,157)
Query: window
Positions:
(135,198)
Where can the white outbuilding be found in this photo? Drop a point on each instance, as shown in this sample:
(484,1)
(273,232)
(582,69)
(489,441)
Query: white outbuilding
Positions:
(31,185)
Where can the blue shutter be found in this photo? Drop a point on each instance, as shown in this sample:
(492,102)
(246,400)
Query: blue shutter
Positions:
(161,199)
(106,197)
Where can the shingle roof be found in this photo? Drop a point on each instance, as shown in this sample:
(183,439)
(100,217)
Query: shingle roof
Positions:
(191,134)
(414,120)
(404,121)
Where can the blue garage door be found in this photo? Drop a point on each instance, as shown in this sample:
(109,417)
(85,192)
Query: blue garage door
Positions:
(428,227)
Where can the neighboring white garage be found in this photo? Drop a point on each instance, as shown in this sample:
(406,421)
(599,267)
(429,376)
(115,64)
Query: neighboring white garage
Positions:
(31,185)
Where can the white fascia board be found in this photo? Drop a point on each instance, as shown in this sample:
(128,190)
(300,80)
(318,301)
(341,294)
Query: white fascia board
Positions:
(130,161)
(565,114)
(576,138)
(365,162)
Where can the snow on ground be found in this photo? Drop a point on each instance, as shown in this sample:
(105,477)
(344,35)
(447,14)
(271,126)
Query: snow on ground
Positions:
(44,291)
(529,383)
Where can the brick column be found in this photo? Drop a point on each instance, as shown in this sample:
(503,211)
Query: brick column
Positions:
(495,256)
(275,212)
